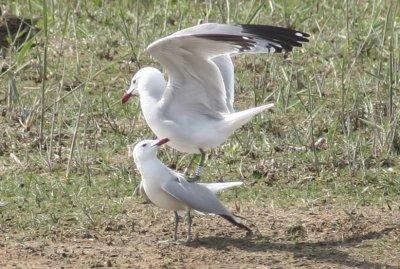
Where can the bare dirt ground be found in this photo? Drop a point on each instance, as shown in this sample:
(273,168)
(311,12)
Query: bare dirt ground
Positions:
(325,236)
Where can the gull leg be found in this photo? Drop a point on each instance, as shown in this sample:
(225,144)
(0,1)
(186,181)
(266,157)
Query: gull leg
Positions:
(186,171)
(176,226)
(201,165)
(174,240)
(189,231)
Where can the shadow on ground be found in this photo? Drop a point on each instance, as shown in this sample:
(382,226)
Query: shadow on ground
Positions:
(319,251)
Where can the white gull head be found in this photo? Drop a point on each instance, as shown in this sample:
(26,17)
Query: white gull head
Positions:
(148,80)
(147,149)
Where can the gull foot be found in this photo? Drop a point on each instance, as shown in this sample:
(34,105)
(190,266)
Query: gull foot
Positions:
(250,234)
(253,234)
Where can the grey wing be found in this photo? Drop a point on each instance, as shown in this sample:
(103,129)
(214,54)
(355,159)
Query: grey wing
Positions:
(195,196)
(227,70)
(214,187)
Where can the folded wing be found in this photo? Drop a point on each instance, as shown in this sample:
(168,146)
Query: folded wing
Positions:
(195,196)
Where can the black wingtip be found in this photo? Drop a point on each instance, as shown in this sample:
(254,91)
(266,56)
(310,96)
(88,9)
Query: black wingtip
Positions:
(261,30)
(236,223)
(304,34)
(285,37)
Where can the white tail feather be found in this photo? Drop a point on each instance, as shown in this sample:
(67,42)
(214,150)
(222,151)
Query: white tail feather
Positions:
(221,186)
(237,119)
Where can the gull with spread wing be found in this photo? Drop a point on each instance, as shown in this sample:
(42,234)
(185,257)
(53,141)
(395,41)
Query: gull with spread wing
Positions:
(170,190)
(194,109)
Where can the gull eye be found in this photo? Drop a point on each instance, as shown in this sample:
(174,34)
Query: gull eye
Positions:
(144,145)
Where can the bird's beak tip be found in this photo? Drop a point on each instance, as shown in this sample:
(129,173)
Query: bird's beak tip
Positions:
(126,97)
(162,141)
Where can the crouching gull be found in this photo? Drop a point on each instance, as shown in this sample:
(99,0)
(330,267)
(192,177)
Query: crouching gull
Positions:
(170,190)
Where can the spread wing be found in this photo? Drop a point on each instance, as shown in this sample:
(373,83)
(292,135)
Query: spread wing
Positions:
(196,84)
(227,70)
